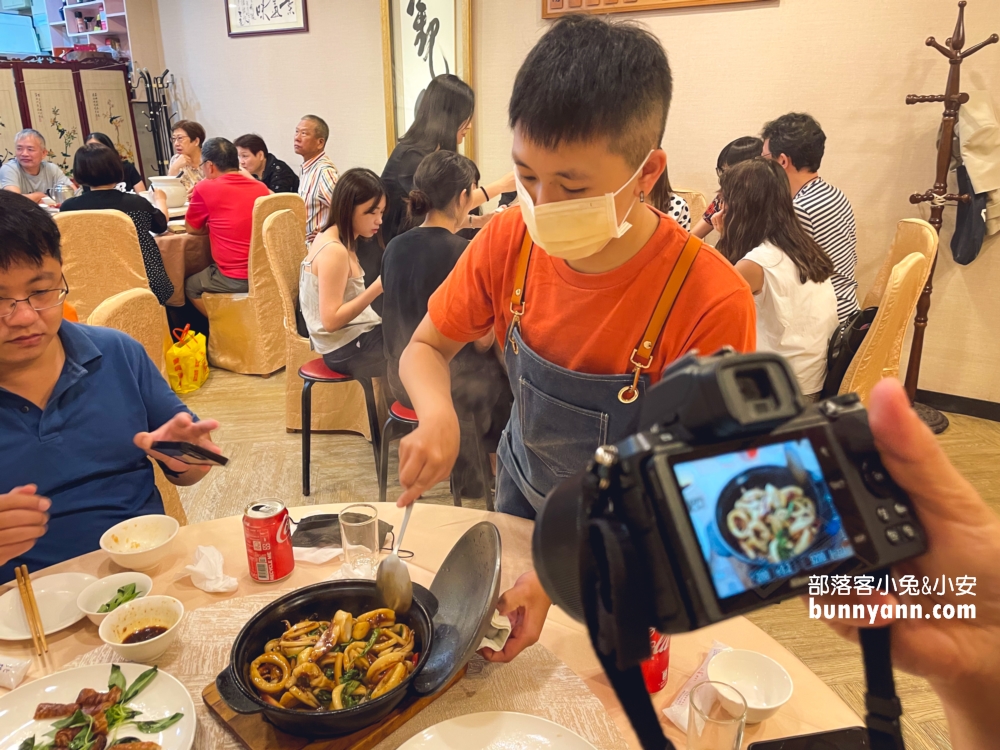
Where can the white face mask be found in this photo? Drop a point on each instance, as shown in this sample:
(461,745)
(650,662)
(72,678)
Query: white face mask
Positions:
(577,228)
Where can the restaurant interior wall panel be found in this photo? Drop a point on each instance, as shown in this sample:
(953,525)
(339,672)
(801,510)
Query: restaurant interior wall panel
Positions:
(264,84)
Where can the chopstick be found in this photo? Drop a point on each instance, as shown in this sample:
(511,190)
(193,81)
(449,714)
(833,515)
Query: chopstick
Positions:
(31,609)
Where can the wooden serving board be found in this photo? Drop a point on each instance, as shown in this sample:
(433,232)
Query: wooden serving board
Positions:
(254,733)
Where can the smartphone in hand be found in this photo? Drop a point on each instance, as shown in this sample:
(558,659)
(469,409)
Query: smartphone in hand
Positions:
(189,453)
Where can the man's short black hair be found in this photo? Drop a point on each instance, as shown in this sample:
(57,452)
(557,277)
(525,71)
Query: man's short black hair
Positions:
(222,154)
(799,137)
(252,143)
(590,78)
(28,234)
(95,165)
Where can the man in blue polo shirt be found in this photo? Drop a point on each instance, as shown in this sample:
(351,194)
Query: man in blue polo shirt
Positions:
(80,407)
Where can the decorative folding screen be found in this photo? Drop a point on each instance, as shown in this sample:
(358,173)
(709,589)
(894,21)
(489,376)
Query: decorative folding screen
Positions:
(52,106)
(10,114)
(106,100)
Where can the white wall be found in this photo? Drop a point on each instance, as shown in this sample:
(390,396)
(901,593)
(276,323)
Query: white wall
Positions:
(264,84)
(848,62)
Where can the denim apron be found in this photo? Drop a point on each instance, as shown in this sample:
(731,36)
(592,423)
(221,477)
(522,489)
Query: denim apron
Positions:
(560,417)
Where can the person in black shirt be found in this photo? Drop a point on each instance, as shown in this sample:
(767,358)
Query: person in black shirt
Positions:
(265,166)
(443,117)
(130,175)
(100,168)
(413,267)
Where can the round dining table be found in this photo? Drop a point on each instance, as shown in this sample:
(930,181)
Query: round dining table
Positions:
(183,255)
(432,532)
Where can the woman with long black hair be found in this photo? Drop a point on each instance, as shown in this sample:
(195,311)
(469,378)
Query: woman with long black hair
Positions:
(787,271)
(443,117)
(335,304)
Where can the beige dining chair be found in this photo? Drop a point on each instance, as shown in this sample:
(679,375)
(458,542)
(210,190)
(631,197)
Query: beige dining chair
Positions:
(912,236)
(101,257)
(246,333)
(878,356)
(138,313)
(172,505)
(697,203)
(335,406)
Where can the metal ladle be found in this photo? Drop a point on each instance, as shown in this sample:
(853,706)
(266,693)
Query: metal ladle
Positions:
(392,582)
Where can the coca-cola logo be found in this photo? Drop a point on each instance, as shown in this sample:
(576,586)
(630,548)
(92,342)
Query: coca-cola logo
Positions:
(281,535)
(659,643)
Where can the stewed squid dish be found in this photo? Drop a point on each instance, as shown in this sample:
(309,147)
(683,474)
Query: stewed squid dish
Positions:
(771,524)
(319,665)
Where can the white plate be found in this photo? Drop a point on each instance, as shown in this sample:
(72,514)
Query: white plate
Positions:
(497,730)
(163,697)
(56,597)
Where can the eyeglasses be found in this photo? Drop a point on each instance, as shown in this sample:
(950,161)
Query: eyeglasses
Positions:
(43,300)
(179,139)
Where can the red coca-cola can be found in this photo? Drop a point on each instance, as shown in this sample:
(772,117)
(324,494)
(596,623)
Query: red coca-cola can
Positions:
(267,531)
(656,668)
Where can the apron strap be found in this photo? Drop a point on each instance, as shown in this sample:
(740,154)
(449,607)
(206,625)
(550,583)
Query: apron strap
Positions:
(642,356)
(517,297)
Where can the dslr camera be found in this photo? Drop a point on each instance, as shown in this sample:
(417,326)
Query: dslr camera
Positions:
(733,492)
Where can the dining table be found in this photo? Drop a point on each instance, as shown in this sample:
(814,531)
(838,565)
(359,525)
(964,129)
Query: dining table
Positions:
(183,255)
(432,532)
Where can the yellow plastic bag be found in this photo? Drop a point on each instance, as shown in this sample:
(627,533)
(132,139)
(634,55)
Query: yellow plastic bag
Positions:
(187,361)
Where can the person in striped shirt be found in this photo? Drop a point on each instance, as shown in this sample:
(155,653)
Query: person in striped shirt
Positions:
(797,142)
(319,175)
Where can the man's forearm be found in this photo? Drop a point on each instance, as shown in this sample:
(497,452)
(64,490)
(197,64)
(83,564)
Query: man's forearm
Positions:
(427,379)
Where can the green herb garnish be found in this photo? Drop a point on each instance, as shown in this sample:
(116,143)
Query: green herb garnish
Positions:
(371,642)
(352,674)
(126,593)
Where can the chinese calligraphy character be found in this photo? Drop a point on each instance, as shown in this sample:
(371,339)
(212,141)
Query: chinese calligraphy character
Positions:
(426,34)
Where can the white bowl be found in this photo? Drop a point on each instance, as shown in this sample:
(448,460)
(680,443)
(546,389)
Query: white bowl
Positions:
(162,611)
(101,592)
(173,188)
(140,543)
(763,683)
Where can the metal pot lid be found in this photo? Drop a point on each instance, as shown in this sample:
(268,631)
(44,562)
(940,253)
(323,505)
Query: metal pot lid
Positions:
(467,588)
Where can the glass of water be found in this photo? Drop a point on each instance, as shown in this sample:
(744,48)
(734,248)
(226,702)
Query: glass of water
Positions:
(359,536)
(716,718)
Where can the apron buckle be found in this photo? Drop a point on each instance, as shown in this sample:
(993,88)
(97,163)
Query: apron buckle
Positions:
(514,324)
(630,393)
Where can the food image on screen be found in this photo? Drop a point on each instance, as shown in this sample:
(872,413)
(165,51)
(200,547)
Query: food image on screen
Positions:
(773,523)
(761,515)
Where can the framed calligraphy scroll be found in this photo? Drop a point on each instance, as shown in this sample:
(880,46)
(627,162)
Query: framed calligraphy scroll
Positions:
(556,8)
(422,39)
(256,17)
(108,105)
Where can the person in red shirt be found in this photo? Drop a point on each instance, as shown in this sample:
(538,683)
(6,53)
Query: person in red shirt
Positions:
(222,207)
(592,291)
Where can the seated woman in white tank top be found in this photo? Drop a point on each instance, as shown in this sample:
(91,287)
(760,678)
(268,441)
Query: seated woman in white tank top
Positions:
(335,304)
(787,271)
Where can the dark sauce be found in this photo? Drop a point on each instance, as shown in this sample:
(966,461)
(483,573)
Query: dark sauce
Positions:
(144,634)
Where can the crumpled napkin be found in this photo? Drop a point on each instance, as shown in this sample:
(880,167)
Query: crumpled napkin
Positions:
(12,671)
(206,573)
(678,710)
(317,555)
(498,633)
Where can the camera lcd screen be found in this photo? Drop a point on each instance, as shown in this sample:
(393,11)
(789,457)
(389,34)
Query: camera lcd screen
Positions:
(762,515)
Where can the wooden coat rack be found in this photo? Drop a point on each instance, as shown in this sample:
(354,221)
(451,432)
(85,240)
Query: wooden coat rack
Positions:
(938,196)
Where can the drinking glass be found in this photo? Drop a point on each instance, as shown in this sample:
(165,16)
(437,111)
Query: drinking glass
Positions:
(716,717)
(359,536)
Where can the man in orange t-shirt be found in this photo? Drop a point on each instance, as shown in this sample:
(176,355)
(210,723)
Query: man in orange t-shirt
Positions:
(569,282)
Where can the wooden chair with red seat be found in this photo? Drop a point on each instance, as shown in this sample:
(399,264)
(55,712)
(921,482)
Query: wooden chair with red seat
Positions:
(316,371)
(402,422)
